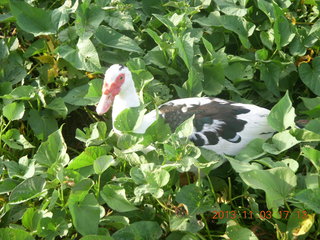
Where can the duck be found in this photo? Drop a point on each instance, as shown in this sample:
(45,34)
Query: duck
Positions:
(219,125)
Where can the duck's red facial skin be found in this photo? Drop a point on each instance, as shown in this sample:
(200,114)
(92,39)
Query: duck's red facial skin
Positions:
(113,88)
(109,91)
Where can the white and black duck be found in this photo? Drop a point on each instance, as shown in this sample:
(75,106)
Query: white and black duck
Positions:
(219,125)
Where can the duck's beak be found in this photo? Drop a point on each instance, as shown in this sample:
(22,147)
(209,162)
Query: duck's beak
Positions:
(105,103)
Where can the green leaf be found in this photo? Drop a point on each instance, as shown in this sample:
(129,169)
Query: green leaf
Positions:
(231,7)
(283,33)
(35,48)
(310,199)
(14,111)
(270,74)
(28,189)
(23,93)
(277,183)
(310,75)
(143,230)
(53,153)
(282,114)
(58,106)
(14,234)
(240,233)
(129,119)
(103,163)
(252,151)
(33,20)
(159,131)
(80,191)
(15,140)
(313,155)
(88,19)
(42,124)
(193,197)
(86,215)
(111,38)
(96,237)
(235,24)
(185,48)
(83,57)
(94,135)
(120,20)
(280,142)
(185,224)
(185,129)
(7,185)
(305,135)
(87,157)
(115,197)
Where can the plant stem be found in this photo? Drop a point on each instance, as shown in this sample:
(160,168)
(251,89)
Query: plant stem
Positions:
(206,226)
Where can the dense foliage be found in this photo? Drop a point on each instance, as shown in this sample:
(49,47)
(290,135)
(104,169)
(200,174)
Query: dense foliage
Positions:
(65,175)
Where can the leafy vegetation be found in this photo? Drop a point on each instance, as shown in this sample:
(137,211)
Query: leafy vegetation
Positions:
(65,175)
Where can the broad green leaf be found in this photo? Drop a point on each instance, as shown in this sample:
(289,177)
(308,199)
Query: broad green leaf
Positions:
(86,215)
(24,168)
(111,38)
(7,185)
(94,135)
(185,223)
(282,114)
(14,111)
(143,230)
(185,129)
(242,166)
(53,153)
(34,20)
(103,163)
(159,131)
(35,48)
(305,135)
(165,20)
(88,19)
(42,124)
(28,189)
(185,48)
(310,198)
(83,57)
(277,183)
(280,142)
(310,75)
(80,191)
(283,33)
(235,24)
(96,237)
(214,76)
(240,233)
(4,51)
(14,234)
(231,7)
(129,119)
(267,38)
(23,93)
(5,88)
(270,74)
(313,155)
(120,21)
(58,106)
(252,151)
(15,140)
(193,197)
(87,157)
(115,197)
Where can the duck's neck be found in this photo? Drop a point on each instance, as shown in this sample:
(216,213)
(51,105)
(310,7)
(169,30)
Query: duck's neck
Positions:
(125,99)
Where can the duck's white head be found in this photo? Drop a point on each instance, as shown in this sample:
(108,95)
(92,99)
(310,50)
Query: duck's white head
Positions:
(117,80)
